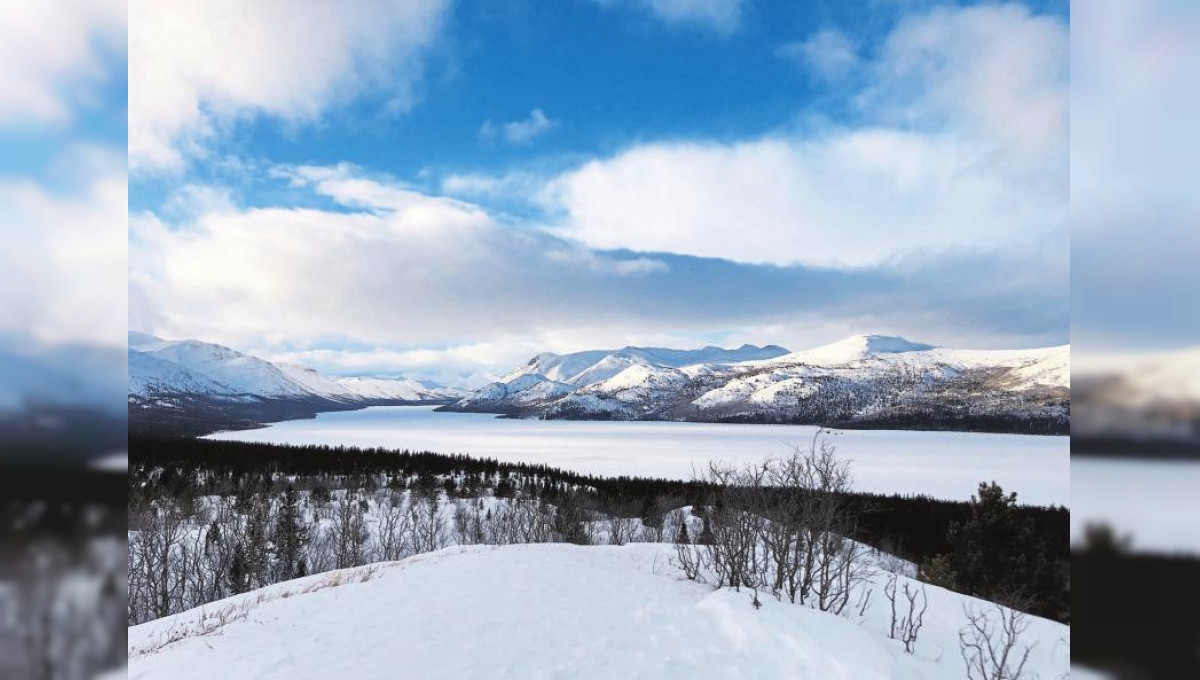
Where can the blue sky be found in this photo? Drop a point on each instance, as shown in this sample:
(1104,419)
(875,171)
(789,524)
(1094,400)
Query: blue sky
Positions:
(63,180)
(443,188)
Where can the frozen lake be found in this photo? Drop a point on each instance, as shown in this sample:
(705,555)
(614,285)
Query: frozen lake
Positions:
(1152,502)
(941,464)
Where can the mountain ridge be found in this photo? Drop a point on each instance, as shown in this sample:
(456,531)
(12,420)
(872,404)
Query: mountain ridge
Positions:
(196,387)
(872,381)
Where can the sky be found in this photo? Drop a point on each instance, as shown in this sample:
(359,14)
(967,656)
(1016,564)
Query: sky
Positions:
(63,173)
(441,189)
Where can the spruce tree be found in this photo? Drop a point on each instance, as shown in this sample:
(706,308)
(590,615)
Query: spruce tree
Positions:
(290,537)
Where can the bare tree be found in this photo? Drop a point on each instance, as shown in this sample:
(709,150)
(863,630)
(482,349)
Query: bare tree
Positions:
(734,524)
(394,529)
(155,535)
(691,557)
(428,532)
(991,644)
(621,530)
(349,534)
(910,617)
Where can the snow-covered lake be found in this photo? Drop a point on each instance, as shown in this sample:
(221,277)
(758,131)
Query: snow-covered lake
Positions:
(941,464)
(1152,502)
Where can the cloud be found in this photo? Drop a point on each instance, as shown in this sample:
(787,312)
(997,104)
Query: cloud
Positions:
(384,285)
(519,131)
(404,266)
(52,52)
(828,54)
(963,144)
(720,16)
(997,73)
(201,67)
(1134,207)
(63,251)
(853,198)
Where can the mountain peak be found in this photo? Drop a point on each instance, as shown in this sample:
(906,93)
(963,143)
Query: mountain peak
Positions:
(885,344)
(857,347)
(139,339)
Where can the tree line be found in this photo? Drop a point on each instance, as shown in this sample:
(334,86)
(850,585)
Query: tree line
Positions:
(242,490)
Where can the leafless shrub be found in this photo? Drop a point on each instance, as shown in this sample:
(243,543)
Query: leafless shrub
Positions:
(689,556)
(621,530)
(394,531)
(909,617)
(733,527)
(428,531)
(349,535)
(991,645)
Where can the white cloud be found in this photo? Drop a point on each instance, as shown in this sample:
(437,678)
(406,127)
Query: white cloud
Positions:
(63,252)
(405,281)
(966,148)
(996,73)
(410,268)
(51,52)
(721,16)
(829,54)
(851,199)
(519,131)
(198,67)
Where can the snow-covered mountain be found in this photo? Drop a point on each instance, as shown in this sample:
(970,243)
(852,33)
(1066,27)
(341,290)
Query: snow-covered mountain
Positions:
(190,380)
(585,368)
(60,404)
(864,380)
(549,376)
(559,611)
(1146,403)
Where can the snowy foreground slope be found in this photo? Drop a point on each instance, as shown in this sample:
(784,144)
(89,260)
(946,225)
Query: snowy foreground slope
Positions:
(549,611)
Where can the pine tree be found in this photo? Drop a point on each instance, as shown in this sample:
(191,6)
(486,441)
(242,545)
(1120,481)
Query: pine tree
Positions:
(290,537)
(998,552)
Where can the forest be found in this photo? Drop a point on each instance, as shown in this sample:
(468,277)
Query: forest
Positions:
(212,518)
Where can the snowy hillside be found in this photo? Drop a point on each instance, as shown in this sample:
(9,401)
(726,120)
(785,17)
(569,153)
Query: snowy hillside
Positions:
(552,611)
(586,368)
(203,381)
(193,367)
(866,380)
(1143,402)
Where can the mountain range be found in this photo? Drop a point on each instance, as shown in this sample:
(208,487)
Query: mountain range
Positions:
(866,381)
(192,387)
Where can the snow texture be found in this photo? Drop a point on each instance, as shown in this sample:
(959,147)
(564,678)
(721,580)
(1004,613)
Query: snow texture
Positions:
(160,368)
(548,611)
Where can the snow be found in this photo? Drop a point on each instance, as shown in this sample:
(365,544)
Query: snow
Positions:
(580,369)
(1163,376)
(1152,501)
(641,383)
(660,382)
(520,389)
(160,367)
(546,611)
(240,373)
(853,348)
(116,462)
(149,374)
(1082,673)
(941,464)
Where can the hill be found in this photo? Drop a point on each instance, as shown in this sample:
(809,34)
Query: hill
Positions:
(551,611)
